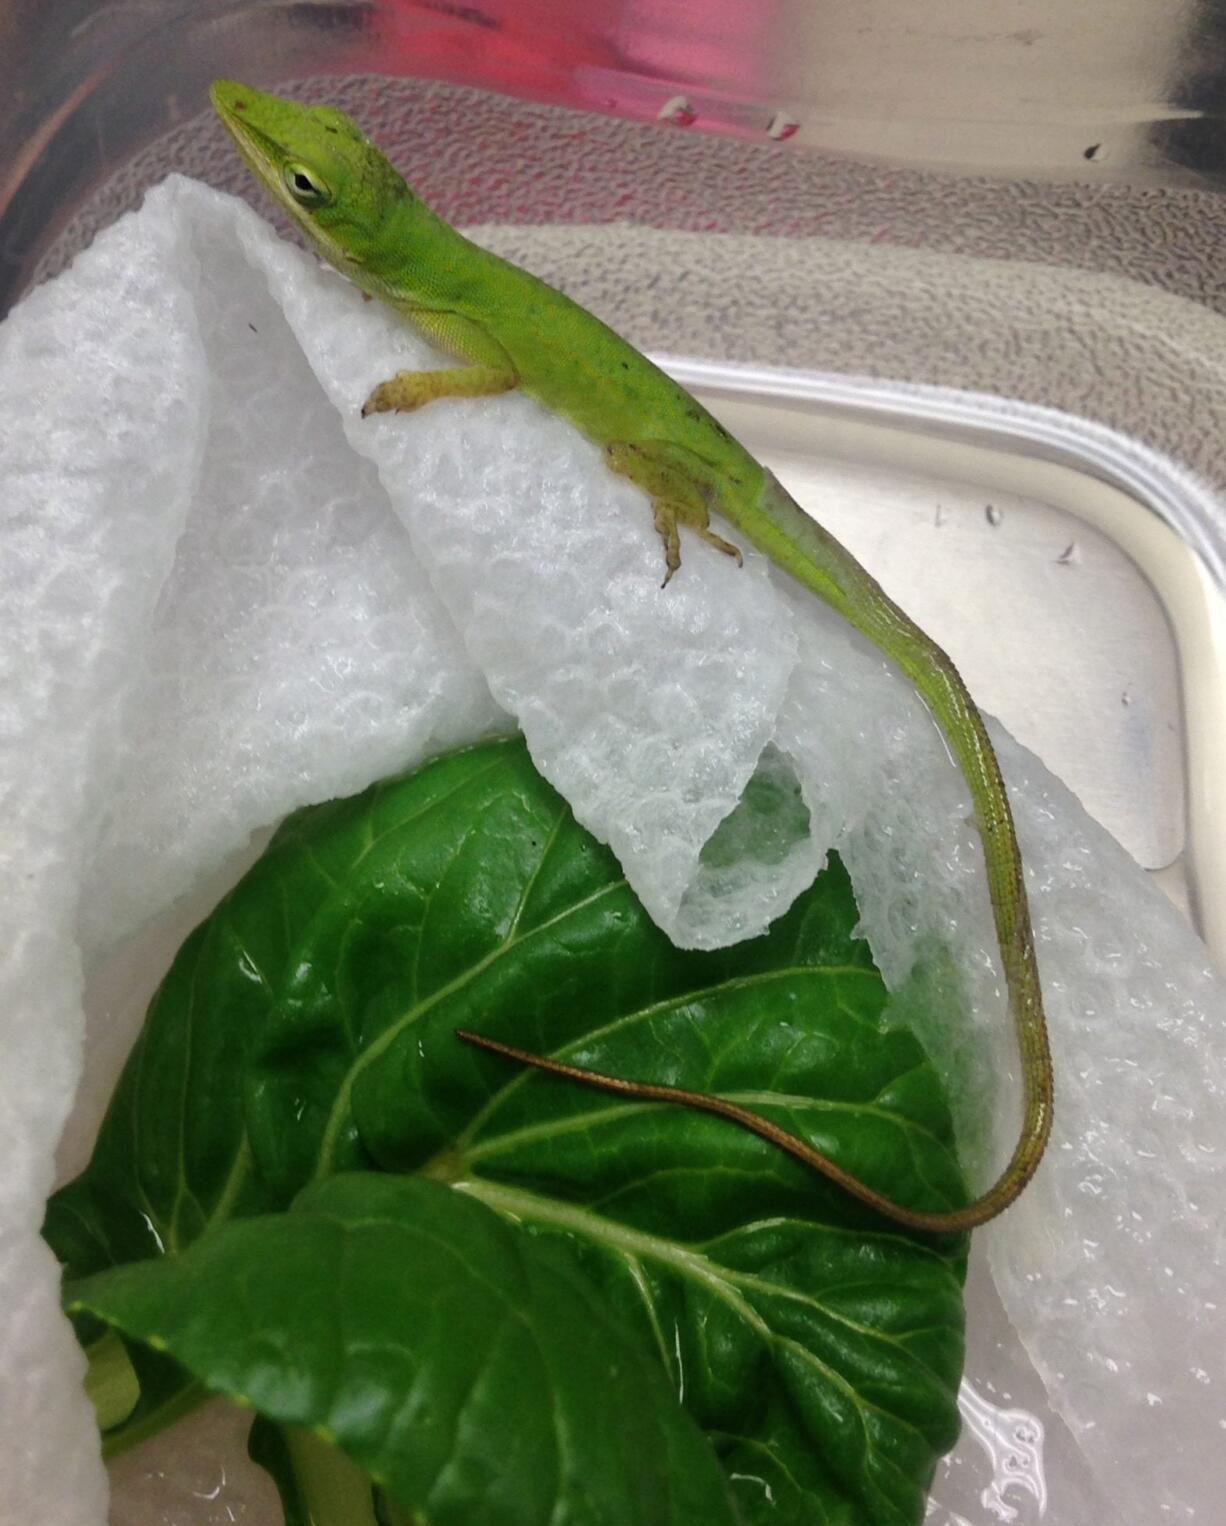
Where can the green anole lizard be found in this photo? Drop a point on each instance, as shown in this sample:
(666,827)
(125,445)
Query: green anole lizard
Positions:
(509,330)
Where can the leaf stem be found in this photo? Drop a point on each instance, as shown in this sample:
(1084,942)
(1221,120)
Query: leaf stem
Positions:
(191,1396)
(111,1384)
(333,1489)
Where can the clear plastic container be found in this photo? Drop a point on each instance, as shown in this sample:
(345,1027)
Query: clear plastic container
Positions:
(1022,374)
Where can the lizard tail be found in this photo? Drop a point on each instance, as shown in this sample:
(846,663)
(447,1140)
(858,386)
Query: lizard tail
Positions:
(812,555)
(800,546)
(753,1123)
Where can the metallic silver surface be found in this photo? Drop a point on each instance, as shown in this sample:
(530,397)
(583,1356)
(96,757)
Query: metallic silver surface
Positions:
(1101,91)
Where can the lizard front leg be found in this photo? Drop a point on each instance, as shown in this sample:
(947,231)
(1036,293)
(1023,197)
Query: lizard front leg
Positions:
(486,372)
(681,490)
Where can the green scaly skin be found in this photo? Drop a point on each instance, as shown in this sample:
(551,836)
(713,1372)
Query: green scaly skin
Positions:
(509,329)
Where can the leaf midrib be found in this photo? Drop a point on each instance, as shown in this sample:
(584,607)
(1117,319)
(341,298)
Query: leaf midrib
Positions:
(578,1122)
(631,1244)
(240,1166)
(637,1245)
(362,1062)
(654,1009)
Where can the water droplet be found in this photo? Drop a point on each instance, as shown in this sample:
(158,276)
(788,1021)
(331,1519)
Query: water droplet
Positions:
(992,514)
(752,1478)
(680,1364)
(1013,1441)
(152,1228)
(678,110)
(782,126)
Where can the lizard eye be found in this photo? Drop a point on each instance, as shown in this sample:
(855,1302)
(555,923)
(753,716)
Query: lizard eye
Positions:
(307,189)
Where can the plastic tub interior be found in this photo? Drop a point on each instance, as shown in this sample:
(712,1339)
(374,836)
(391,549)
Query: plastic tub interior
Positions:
(982,367)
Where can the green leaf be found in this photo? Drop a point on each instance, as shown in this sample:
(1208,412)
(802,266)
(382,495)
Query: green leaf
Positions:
(308,1028)
(472,1370)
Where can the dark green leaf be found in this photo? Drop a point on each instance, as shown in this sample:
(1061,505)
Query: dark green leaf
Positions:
(473,1371)
(308,1028)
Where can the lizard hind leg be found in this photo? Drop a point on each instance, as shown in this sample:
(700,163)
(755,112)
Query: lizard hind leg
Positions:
(678,496)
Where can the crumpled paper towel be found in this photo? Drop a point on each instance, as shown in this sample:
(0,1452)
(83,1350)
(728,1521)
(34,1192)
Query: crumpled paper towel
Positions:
(212,614)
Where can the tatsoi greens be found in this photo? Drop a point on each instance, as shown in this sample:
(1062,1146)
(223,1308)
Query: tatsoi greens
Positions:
(509,1299)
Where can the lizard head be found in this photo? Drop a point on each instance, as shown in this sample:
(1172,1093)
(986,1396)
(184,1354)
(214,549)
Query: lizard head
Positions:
(320,167)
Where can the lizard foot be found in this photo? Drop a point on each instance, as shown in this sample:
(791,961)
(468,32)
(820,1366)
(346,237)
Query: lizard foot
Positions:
(679,495)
